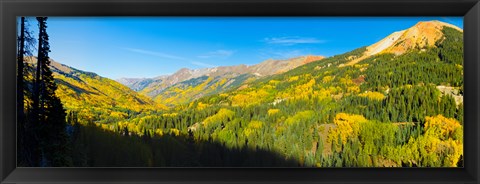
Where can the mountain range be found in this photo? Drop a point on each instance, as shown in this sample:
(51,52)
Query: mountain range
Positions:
(395,103)
(86,89)
(196,83)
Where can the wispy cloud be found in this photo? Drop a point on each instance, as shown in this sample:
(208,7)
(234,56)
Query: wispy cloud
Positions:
(292,40)
(153,53)
(168,56)
(217,54)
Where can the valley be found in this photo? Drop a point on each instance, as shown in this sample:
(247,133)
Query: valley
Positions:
(394,103)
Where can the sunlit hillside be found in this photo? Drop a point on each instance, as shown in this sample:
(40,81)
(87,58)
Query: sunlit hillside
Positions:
(96,98)
(395,103)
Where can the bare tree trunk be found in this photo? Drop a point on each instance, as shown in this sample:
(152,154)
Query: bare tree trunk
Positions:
(36,93)
(20,95)
(36,85)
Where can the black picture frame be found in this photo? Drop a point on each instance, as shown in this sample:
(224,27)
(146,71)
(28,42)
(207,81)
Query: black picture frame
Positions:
(10,9)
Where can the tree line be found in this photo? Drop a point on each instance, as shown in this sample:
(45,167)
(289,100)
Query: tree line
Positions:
(42,136)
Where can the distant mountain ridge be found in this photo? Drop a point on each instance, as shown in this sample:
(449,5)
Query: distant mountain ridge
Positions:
(268,67)
(135,84)
(153,87)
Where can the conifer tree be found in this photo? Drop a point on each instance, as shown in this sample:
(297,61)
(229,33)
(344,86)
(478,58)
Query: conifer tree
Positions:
(20,95)
(26,142)
(49,115)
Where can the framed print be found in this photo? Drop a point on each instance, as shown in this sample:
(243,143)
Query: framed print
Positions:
(230,91)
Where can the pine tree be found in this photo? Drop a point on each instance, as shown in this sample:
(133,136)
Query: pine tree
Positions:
(26,141)
(49,115)
(22,152)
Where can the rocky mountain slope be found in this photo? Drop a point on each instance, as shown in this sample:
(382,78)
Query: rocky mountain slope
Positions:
(192,84)
(421,35)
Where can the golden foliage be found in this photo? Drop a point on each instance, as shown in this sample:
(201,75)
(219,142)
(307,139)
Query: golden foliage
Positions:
(177,96)
(273,111)
(249,98)
(201,106)
(175,131)
(252,127)
(456,149)
(327,79)
(360,65)
(118,115)
(442,136)
(223,95)
(222,115)
(373,95)
(348,125)
(441,126)
(302,91)
(171,115)
(274,82)
(159,132)
(346,80)
(300,117)
(349,85)
(293,78)
(353,89)
(95,98)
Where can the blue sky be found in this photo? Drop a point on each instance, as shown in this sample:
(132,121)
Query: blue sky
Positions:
(136,47)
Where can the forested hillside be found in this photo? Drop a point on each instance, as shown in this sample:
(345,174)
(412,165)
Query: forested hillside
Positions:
(95,98)
(396,103)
